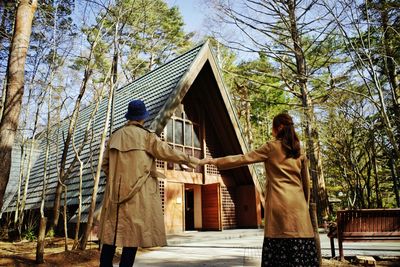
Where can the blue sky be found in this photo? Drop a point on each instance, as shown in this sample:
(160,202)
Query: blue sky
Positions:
(192,12)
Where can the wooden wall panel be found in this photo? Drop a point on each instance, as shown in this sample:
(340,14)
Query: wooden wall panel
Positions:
(248,215)
(174,203)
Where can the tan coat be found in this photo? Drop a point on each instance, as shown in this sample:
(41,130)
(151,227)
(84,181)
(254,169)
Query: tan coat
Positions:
(287,190)
(132,215)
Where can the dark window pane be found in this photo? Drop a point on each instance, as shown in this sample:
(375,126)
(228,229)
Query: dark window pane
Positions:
(188,134)
(196,136)
(170,132)
(179,132)
(197,153)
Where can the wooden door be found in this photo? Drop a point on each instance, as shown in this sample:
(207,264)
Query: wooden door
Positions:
(211,207)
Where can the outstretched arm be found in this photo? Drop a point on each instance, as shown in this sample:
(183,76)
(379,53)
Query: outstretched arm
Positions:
(230,162)
(161,150)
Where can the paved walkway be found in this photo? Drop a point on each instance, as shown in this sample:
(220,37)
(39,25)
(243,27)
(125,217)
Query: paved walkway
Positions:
(239,247)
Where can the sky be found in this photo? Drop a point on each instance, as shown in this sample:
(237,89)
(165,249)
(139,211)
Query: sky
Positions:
(193,14)
(196,19)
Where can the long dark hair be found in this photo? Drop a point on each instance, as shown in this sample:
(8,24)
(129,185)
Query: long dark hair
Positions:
(283,126)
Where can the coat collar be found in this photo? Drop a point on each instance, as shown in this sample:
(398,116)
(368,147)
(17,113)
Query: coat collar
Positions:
(135,123)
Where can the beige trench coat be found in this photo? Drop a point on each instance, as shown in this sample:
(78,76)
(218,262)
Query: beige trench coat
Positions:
(132,215)
(287,190)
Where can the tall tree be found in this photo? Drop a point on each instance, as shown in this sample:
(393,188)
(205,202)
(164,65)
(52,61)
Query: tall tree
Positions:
(291,36)
(367,48)
(355,155)
(65,170)
(150,34)
(14,87)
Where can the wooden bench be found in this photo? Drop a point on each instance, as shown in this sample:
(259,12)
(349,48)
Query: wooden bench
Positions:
(365,225)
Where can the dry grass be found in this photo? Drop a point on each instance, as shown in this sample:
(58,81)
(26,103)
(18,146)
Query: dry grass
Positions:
(23,253)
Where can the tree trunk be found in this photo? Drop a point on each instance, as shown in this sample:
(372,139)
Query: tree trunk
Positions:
(367,183)
(390,70)
(3,99)
(77,155)
(21,174)
(29,163)
(65,217)
(247,116)
(63,174)
(43,219)
(379,203)
(113,82)
(390,64)
(40,241)
(313,215)
(311,133)
(395,181)
(15,87)
(78,221)
(26,182)
(98,173)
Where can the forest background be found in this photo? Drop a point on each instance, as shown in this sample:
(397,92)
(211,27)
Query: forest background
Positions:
(332,64)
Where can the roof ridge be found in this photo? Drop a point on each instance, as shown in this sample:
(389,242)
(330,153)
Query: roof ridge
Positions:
(162,66)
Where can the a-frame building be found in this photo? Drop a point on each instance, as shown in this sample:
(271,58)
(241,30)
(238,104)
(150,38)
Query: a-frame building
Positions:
(191,109)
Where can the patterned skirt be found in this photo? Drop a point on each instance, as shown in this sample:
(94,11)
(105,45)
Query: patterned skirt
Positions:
(293,252)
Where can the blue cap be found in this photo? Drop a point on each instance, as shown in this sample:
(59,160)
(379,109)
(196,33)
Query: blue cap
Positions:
(136,111)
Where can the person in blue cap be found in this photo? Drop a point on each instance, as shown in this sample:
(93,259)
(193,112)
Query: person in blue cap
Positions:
(131,215)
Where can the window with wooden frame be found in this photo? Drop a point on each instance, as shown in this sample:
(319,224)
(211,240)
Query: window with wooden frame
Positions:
(184,135)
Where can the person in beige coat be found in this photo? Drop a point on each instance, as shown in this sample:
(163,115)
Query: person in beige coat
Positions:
(288,232)
(131,215)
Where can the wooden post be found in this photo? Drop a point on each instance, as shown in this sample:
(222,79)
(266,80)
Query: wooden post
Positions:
(313,215)
(340,248)
(40,241)
(340,234)
(332,247)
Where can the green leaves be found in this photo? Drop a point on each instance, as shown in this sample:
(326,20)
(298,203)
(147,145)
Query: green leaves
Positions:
(149,33)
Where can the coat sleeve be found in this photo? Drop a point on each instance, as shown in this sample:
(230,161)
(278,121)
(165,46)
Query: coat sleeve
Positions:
(104,163)
(305,178)
(230,162)
(162,151)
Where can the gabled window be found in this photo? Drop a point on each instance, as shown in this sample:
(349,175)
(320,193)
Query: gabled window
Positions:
(184,135)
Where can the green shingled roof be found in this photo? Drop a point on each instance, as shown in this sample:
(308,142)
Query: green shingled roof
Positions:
(154,89)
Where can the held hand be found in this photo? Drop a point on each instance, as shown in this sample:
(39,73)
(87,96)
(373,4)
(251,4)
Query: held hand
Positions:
(207,161)
(203,161)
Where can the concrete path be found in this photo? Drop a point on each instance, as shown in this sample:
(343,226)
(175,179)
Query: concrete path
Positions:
(231,248)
